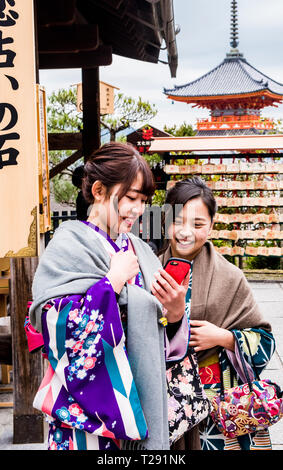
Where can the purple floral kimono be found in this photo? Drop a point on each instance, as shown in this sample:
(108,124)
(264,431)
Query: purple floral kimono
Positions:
(88,393)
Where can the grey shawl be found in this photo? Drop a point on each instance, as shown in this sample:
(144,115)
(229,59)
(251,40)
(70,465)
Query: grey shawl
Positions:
(221,294)
(73,261)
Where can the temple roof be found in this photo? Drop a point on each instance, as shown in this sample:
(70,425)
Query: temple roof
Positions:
(234,76)
(234,79)
(223,132)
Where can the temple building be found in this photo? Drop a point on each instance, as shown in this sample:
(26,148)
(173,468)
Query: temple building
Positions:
(235,92)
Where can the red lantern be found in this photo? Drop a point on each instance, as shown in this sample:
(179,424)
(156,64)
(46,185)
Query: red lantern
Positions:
(147,133)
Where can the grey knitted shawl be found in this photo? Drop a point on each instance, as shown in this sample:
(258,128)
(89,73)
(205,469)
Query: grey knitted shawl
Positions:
(73,261)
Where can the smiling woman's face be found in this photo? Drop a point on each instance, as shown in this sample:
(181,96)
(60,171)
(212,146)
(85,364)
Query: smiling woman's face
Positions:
(114,215)
(190,230)
(131,206)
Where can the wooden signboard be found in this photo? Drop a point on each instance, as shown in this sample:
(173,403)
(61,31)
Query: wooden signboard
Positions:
(249,250)
(43,166)
(260,184)
(106,92)
(233,168)
(18,132)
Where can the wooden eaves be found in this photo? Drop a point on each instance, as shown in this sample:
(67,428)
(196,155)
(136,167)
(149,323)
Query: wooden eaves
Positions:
(85,34)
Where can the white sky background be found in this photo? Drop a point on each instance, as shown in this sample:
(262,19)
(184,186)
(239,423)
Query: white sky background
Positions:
(202,44)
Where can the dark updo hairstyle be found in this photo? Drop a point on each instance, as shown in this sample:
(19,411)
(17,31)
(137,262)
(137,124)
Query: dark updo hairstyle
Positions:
(180,194)
(77,176)
(188,189)
(116,163)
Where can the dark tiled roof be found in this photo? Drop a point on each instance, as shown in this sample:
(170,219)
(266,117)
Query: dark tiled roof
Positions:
(222,132)
(232,76)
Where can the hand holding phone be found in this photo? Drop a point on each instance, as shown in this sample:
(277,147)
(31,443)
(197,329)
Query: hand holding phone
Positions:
(178,268)
(170,287)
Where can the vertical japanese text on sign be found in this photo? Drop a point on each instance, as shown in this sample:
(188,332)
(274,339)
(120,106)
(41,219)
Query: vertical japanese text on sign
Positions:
(18,130)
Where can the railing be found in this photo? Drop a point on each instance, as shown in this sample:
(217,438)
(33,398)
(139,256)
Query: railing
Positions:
(56,219)
(146,233)
(234,122)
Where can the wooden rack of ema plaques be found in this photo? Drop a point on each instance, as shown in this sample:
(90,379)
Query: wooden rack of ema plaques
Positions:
(248,192)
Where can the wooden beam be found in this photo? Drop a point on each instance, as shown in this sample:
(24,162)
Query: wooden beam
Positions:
(65,163)
(6,349)
(86,59)
(5,373)
(6,404)
(4,287)
(27,368)
(91,111)
(56,12)
(74,38)
(6,389)
(65,141)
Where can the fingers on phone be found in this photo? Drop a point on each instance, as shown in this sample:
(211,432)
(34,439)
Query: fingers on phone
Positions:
(157,290)
(160,283)
(168,278)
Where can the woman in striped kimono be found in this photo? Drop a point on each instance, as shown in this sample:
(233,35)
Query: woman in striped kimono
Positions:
(103,330)
(221,307)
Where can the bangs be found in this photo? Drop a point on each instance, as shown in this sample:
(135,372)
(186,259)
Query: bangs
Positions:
(139,165)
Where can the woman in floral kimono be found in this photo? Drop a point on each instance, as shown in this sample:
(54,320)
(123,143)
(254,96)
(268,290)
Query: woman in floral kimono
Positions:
(103,330)
(221,307)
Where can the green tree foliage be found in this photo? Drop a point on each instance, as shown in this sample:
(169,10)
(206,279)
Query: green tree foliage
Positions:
(128,111)
(153,159)
(62,116)
(262,262)
(180,131)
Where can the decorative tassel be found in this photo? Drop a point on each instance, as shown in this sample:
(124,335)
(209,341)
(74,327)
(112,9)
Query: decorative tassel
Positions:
(163,321)
(261,441)
(231,443)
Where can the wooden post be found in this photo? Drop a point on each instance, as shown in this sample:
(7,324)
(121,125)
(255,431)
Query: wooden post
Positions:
(281,229)
(27,367)
(5,333)
(91,111)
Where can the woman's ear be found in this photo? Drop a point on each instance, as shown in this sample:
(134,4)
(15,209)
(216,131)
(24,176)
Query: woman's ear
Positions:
(98,191)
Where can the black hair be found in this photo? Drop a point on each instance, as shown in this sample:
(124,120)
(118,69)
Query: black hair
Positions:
(178,196)
(113,163)
(188,189)
(77,176)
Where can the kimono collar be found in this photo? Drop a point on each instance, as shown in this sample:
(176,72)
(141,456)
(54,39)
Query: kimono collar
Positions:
(122,241)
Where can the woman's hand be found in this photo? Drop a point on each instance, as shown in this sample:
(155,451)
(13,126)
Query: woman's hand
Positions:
(123,267)
(170,294)
(206,335)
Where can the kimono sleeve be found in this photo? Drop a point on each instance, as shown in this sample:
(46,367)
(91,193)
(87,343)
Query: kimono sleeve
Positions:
(262,347)
(177,340)
(89,383)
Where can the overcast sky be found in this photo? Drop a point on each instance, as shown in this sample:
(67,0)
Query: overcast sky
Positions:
(202,44)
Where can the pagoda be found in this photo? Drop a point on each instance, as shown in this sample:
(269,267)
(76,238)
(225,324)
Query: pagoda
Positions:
(235,92)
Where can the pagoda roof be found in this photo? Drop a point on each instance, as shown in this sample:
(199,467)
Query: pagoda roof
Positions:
(233,77)
(223,132)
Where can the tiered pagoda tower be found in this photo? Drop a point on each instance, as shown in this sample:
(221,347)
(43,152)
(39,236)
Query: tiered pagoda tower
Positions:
(235,92)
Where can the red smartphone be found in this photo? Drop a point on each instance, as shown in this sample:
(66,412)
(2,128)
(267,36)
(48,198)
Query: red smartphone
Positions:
(178,268)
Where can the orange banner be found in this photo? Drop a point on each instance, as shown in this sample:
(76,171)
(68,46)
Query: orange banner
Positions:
(19,233)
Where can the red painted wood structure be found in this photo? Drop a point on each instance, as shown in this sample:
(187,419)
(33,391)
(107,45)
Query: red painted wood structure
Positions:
(235,92)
